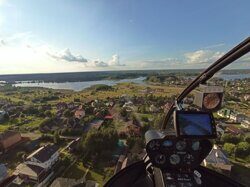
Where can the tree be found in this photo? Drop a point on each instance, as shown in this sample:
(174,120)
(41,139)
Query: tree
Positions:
(47,122)
(134,119)
(247,139)
(144,109)
(158,121)
(242,150)
(229,148)
(144,118)
(99,142)
(56,137)
(68,114)
(123,112)
(131,142)
(5,118)
(21,155)
(48,113)
(145,128)
(228,138)
(31,110)
(77,100)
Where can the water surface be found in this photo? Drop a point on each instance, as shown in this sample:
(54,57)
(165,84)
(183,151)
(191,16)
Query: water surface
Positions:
(77,86)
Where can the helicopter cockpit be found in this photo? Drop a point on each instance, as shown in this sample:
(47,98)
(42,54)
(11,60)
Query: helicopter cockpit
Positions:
(174,154)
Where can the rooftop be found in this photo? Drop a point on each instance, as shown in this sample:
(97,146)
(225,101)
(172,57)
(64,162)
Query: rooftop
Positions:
(217,156)
(234,129)
(108,117)
(3,171)
(44,153)
(7,134)
(30,170)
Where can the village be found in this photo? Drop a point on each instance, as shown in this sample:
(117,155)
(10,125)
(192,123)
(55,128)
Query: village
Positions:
(55,137)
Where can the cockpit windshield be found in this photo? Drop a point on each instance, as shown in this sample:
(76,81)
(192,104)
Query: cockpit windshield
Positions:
(82,82)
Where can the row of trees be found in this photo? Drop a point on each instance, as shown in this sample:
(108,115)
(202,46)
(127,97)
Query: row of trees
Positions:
(236,146)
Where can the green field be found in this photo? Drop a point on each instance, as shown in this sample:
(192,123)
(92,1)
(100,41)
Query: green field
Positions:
(78,170)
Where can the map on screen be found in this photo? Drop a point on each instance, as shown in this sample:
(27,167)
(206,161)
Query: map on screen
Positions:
(195,124)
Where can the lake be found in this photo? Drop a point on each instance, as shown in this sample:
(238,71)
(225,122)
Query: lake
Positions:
(233,76)
(77,86)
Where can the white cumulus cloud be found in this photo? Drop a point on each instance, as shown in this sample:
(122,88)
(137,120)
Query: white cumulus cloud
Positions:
(202,56)
(66,55)
(115,61)
(96,63)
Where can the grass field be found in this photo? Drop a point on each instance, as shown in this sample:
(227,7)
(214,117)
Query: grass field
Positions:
(4,127)
(129,89)
(78,170)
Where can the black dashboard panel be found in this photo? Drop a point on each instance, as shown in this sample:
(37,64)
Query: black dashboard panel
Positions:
(177,153)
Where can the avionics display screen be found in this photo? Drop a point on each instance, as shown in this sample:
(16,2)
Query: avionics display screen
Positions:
(195,124)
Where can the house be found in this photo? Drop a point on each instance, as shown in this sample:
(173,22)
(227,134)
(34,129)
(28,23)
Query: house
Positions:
(247,97)
(95,103)
(160,90)
(125,163)
(119,163)
(71,105)
(129,109)
(10,108)
(68,182)
(133,129)
(110,104)
(44,157)
(220,131)
(218,159)
(234,130)
(3,173)
(108,117)
(61,106)
(225,113)
(153,109)
(124,97)
(166,107)
(28,173)
(2,114)
(59,113)
(96,123)
(37,166)
(189,100)
(128,160)
(237,118)
(79,114)
(147,90)
(222,124)
(9,139)
(3,102)
(245,123)
(128,104)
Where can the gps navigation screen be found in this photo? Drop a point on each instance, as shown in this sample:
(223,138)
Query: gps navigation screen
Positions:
(195,124)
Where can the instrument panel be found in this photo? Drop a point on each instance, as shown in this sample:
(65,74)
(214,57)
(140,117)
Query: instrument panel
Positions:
(173,153)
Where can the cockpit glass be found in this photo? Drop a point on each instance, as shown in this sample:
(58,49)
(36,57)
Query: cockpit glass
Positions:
(81,82)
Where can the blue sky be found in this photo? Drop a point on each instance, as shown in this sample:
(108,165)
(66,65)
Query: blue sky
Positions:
(81,35)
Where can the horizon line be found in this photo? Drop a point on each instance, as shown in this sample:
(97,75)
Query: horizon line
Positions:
(114,71)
